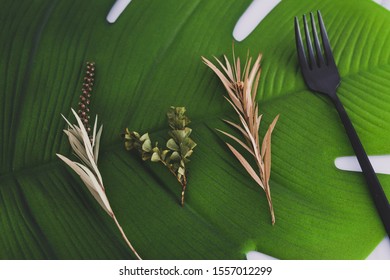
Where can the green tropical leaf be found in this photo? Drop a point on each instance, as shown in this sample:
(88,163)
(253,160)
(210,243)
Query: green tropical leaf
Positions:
(149,60)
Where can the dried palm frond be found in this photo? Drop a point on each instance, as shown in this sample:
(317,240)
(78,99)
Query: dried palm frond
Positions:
(241,86)
(86,149)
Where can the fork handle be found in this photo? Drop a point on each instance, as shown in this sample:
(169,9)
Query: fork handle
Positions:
(376,190)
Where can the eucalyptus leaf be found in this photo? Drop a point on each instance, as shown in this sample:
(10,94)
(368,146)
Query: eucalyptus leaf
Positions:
(175,156)
(155,157)
(144,137)
(147,145)
(147,61)
(171,144)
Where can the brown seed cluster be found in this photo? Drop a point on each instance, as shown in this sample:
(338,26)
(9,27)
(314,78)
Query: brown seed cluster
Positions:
(86,95)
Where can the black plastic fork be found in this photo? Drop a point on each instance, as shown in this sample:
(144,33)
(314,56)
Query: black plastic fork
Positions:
(320,73)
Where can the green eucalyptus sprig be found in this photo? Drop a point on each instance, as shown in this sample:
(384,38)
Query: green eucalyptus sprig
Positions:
(179,146)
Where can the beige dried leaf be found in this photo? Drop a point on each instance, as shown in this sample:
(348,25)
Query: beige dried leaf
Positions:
(90,182)
(86,149)
(97,142)
(238,141)
(267,137)
(241,85)
(267,153)
(246,165)
(239,128)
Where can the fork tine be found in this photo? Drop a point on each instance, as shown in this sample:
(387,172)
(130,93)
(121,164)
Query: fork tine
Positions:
(308,44)
(316,41)
(325,41)
(300,49)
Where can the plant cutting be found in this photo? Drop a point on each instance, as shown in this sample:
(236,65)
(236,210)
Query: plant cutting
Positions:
(241,87)
(85,146)
(179,146)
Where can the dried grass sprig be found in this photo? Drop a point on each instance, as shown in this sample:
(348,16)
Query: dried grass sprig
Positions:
(241,86)
(86,149)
